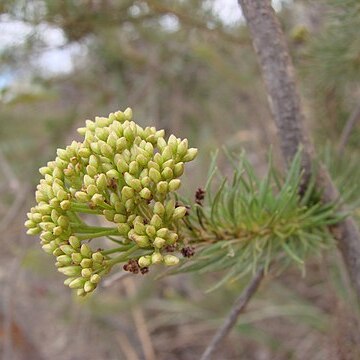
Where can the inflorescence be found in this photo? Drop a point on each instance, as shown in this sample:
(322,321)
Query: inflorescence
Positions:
(123,173)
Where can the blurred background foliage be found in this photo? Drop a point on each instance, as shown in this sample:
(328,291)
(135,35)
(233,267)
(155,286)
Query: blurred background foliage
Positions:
(186,66)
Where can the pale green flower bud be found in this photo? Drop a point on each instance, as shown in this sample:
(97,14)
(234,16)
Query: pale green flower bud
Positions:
(159,209)
(64,260)
(78,283)
(174,184)
(150,230)
(98,199)
(119,218)
(136,184)
(163,232)
(153,164)
(133,168)
(145,193)
(30,224)
(171,260)
(97,257)
(159,242)
(67,249)
(89,286)
(120,116)
(144,261)
(57,231)
(82,196)
(159,159)
(179,212)
(172,238)
(65,205)
(62,154)
(91,170)
(36,217)
(190,155)
(139,228)
(45,170)
(149,148)
(85,251)
(80,292)
(154,175)
(112,174)
(47,226)
(86,263)
(141,159)
(169,208)
(128,114)
(70,270)
(156,258)
(105,166)
(69,280)
(95,278)
(101,182)
(84,152)
(106,150)
(123,229)
(130,205)
(47,248)
(122,166)
(172,143)
(86,273)
(183,147)
(95,148)
(121,144)
(54,215)
(167,173)
(109,215)
(162,187)
(167,153)
(74,242)
(101,133)
(141,240)
(54,203)
(161,143)
(56,251)
(63,221)
(129,134)
(88,180)
(156,221)
(145,181)
(127,192)
(102,121)
(62,195)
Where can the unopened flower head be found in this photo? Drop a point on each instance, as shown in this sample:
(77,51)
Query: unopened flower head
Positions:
(126,174)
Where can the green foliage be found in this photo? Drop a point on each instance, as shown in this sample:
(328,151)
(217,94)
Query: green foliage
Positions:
(252,222)
(346,175)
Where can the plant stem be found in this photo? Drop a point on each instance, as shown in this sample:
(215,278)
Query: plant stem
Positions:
(236,310)
(278,73)
(98,234)
(117,249)
(123,256)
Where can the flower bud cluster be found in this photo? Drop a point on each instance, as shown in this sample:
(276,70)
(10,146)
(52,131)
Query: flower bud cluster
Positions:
(125,173)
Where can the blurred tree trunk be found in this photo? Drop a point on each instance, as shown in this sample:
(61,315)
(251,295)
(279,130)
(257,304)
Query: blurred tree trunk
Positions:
(278,74)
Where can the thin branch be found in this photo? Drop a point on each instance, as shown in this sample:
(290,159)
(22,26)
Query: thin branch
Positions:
(236,310)
(278,73)
(351,122)
(13,181)
(140,323)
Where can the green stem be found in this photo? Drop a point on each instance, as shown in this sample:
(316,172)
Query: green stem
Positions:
(123,256)
(75,207)
(98,234)
(88,229)
(118,249)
